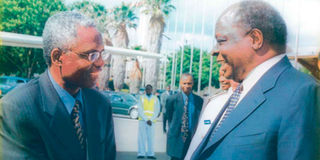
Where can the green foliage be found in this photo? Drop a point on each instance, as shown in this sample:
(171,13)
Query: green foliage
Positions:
(158,7)
(195,67)
(123,14)
(93,10)
(25,17)
(138,48)
(305,70)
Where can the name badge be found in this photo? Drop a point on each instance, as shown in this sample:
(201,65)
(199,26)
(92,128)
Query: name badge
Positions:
(206,122)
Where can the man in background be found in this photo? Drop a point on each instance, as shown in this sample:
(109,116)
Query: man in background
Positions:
(59,115)
(148,108)
(225,74)
(163,98)
(213,105)
(182,111)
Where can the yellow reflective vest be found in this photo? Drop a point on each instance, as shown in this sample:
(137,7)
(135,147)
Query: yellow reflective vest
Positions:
(148,106)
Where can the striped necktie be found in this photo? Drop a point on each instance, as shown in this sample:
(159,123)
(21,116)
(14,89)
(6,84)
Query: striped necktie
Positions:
(232,103)
(75,117)
(185,121)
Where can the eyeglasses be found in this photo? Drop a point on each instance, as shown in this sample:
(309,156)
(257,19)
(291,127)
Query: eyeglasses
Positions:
(94,55)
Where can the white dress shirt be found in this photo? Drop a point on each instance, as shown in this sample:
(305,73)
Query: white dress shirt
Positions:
(208,115)
(254,76)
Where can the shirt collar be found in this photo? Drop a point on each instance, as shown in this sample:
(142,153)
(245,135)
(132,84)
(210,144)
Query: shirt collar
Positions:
(185,96)
(67,99)
(230,91)
(257,73)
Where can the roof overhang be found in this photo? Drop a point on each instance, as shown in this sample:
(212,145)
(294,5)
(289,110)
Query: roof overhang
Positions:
(22,40)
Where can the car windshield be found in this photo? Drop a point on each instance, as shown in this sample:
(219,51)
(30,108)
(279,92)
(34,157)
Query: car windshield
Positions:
(118,96)
(129,98)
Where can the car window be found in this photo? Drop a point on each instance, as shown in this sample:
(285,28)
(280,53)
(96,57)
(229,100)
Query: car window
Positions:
(130,98)
(11,82)
(20,81)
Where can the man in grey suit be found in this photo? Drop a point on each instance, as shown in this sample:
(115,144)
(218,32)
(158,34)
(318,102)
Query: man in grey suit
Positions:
(58,115)
(182,111)
(273,114)
(163,100)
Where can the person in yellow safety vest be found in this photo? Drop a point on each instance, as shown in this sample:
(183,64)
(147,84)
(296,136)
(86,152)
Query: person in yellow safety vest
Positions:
(148,108)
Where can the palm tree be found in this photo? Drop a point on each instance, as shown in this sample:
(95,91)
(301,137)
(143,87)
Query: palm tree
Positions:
(156,10)
(121,17)
(99,14)
(135,78)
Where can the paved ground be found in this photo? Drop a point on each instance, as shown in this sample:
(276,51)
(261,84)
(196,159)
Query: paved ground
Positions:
(126,134)
(133,156)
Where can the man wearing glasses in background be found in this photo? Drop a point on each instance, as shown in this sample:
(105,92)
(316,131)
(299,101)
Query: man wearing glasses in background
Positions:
(58,115)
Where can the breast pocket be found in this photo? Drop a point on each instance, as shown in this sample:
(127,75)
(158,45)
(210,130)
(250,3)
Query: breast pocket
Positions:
(249,139)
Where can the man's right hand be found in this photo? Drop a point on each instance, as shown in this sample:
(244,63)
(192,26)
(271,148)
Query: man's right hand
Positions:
(149,122)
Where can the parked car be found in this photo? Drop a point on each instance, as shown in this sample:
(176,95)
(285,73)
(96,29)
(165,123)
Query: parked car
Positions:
(123,103)
(7,83)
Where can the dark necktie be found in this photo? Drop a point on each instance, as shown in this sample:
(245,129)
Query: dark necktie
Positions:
(185,121)
(75,117)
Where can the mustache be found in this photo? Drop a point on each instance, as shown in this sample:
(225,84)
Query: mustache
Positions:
(94,68)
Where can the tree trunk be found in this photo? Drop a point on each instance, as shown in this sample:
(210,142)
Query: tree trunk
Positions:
(135,78)
(104,75)
(153,44)
(120,40)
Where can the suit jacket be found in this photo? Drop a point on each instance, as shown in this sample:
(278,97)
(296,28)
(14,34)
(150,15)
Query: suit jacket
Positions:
(34,124)
(277,119)
(174,112)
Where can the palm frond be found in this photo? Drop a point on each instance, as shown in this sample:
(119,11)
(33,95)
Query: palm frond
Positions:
(154,7)
(124,14)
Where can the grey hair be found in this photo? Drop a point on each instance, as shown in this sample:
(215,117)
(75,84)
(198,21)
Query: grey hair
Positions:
(261,15)
(185,75)
(60,31)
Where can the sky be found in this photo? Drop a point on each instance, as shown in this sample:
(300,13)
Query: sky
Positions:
(193,22)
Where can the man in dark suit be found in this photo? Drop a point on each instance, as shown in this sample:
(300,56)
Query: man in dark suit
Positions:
(58,115)
(273,114)
(182,111)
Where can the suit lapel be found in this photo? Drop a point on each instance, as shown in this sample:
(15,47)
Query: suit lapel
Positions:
(180,103)
(59,120)
(196,103)
(95,122)
(254,98)
(197,110)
